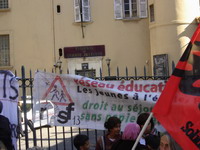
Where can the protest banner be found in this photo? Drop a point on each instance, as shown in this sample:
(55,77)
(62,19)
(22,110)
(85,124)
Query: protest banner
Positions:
(9,100)
(178,108)
(87,103)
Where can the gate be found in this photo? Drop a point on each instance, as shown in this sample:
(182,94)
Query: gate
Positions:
(56,137)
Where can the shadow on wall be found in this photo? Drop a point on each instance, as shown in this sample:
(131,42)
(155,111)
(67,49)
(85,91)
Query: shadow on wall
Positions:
(190,29)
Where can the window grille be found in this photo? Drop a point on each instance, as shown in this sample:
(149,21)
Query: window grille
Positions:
(152,17)
(4,50)
(3,4)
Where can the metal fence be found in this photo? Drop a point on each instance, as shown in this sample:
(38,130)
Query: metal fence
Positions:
(61,138)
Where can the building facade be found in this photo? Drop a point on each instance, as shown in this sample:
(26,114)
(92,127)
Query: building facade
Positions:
(74,36)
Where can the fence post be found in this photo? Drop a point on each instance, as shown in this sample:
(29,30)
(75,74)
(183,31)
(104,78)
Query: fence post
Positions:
(29,123)
(117,73)
(135,72)
(126,73)
(100,73)
(145,73)
(108,65)
(24,106)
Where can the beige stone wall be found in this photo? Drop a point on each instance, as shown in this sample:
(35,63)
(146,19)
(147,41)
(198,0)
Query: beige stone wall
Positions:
(31,41)
(37,31)
(126,42)
(173,27)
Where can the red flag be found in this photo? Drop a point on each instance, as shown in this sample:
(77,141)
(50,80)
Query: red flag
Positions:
(178,108)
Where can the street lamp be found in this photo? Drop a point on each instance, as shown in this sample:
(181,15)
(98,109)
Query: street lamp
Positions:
(108,64)
(58,64)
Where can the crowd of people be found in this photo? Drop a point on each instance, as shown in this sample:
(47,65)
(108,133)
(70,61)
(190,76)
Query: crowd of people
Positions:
(114,139)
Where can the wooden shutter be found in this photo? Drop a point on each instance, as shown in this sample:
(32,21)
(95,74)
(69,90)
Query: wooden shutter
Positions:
(143,13)
(118,9)
(77,15)
(86,10)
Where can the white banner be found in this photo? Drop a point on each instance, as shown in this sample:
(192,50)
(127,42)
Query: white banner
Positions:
(9,99)
(71,100)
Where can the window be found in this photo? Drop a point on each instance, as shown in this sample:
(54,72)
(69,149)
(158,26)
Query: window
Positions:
(3,4)
(4,50)
(82,11)
(130,9)
(152,17)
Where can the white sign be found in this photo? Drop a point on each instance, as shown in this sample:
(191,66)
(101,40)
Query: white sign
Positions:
(9,98)
(87,103)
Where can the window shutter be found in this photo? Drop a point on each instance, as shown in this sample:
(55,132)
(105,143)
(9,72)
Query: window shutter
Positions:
(143,8)
(118,9)
(86,10)
(77,16)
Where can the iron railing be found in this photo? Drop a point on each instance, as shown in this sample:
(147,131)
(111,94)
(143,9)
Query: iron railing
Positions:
(61,138)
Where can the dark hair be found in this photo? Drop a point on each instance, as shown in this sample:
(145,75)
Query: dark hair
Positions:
(1,106)
(112,122)
(153,141)
(142,118)
(80,140)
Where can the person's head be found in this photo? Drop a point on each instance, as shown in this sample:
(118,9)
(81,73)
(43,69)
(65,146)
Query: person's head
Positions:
(113,125)
(1,106)
(152,142)
(168,143)
(81,142)
(131,131)
(141,119)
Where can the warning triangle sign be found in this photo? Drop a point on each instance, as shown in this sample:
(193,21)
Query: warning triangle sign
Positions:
(58,96)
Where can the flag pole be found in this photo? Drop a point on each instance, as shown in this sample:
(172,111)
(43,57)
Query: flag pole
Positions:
(142,131)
